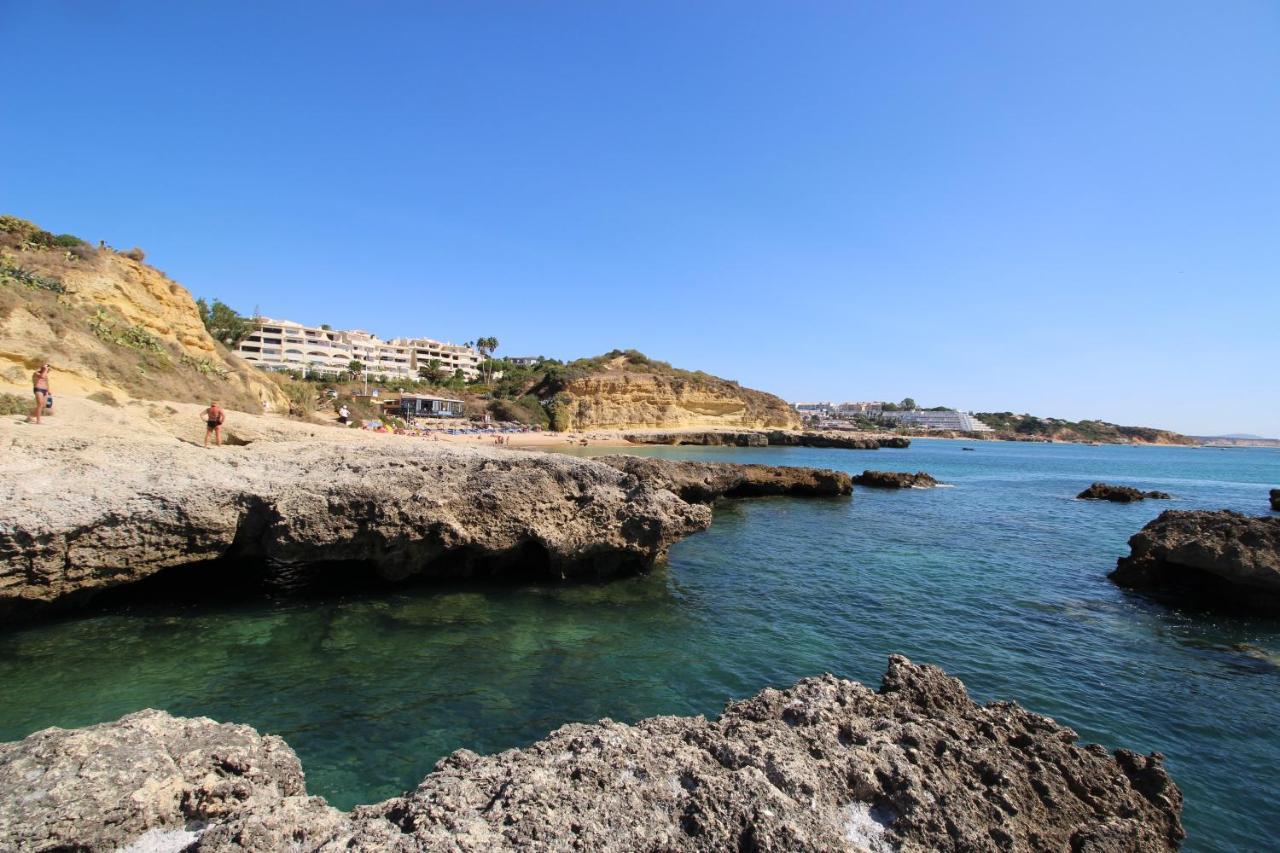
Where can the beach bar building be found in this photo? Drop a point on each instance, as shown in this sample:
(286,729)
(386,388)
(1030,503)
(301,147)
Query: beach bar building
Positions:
(427,406)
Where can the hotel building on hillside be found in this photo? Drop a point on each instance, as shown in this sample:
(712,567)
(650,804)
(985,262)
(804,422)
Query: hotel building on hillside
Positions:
(285,345)
(948,420)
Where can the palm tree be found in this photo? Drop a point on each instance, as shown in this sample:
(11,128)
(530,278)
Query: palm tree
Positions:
(487,346)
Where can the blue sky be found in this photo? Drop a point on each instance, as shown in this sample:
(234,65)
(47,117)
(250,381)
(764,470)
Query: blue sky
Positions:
(1071,209)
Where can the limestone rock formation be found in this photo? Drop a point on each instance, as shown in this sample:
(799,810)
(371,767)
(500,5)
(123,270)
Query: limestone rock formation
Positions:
(626,390)
(895,480)
(1119,494)
(780,438)
(100,787)
(80,514)
(1275,500)
(825,765)
(701,482)
(1207,556)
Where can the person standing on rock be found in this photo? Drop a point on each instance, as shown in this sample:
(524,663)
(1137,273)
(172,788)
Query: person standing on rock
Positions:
(214,418)
(40,386)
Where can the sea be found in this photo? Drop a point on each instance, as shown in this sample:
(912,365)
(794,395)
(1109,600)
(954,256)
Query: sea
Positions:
(999,578)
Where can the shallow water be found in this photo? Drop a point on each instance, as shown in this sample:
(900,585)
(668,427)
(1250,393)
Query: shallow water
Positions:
(999,579)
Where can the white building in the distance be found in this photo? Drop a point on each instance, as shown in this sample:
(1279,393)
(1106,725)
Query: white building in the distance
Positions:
(947,419)
(285,345)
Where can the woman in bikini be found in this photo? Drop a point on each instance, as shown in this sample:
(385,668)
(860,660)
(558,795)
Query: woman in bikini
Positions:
(39,385)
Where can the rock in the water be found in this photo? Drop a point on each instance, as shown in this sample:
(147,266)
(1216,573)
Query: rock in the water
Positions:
(1275,500)
(781,438)
(701,482)
(1207,556)
(1119,494)
(100,787)
(825,765)
(895,480)
(78,516)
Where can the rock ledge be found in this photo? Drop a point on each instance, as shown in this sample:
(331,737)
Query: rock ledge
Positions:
(825,765)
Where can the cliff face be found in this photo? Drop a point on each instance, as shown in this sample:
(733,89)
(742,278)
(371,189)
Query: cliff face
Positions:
(112,325)
(621,399)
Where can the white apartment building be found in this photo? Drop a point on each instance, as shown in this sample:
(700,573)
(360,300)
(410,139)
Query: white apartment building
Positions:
(285,345)
(950,420)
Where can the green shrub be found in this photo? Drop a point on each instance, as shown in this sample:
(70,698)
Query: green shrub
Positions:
(12,404)
(133,337)
(67,241)
(17,275)
(14,225)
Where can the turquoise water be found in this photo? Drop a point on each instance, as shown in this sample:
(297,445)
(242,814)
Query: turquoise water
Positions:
(999,579)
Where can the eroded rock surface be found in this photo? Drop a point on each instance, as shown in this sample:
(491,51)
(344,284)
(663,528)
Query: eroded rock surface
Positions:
(100,787)
(702,482)
(1119,494)
(79,515)
(1207,556)
(826,765)
(895,480)
(782,438)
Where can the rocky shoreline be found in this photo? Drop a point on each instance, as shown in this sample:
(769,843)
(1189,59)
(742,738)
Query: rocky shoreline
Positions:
(702,482)
(80,516)
(825,765)
(770,438)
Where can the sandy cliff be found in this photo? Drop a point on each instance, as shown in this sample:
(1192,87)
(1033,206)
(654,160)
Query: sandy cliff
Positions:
(623,393)
(114,326)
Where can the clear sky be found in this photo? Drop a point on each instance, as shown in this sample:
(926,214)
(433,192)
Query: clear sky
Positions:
(1071,209)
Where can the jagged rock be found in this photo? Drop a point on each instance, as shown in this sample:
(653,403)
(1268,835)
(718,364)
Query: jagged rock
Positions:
(895,480)
(1275,500)
(781,438)
(702,482)
(825,765)
(100,787)
(1215,556)
(80,515)
(701,439)
(1119,494)
(841,440)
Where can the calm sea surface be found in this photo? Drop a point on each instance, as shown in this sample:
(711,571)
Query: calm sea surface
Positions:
(1000,579)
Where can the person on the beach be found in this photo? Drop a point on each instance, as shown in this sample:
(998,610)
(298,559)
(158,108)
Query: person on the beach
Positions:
(214,417)
(40,386)
(344,415)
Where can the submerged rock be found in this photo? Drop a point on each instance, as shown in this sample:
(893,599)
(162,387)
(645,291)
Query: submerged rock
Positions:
(895,480)
(826,765)
(1119,494)
(1207,556)
(78,516)
(702,482)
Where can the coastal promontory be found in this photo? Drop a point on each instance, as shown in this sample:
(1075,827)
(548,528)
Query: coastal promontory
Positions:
(827,764)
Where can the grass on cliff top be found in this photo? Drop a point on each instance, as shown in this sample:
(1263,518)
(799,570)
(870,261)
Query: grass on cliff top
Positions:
(1086,430)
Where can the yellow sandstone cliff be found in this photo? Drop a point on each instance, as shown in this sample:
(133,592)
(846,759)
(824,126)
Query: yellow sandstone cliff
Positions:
(111,326)
(628,391)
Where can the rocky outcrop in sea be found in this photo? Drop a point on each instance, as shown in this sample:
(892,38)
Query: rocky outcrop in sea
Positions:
(780,438)
(1275,500)
(1206,557)
(701,482)
(827,764)
(895,480)
(1119,494)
